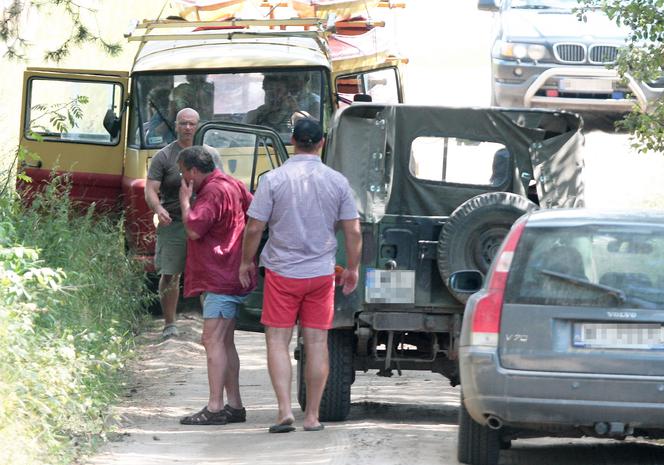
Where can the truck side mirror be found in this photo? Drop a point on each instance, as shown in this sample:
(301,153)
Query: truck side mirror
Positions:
(111,123)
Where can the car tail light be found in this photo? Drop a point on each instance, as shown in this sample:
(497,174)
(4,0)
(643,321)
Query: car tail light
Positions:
(488,308)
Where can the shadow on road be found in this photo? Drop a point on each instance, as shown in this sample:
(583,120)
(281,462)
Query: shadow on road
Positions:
(592,452)
(408,413)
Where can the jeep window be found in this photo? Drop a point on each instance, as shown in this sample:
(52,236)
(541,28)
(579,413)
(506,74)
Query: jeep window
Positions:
(460,161)
(381,86)
(588,266)
(71,110)
(266,98)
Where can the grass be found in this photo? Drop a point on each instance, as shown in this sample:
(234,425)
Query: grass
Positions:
(71,303)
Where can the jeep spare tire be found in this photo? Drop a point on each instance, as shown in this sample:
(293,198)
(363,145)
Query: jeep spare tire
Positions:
(471,237)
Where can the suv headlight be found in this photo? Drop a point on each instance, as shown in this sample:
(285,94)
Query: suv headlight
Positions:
(519,51)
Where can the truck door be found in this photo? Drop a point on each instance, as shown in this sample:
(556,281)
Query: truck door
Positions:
(246,153)
(73,121)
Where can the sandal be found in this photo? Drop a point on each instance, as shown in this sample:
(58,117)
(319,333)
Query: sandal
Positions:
(170,331)
(205,417)
(235,415)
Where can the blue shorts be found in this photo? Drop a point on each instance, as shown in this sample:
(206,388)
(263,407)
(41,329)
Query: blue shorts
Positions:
(222,305)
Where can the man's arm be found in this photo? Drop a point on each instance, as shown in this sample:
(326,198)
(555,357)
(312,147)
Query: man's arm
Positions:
(252,239)
(152,199)
(185,205)
(353,239)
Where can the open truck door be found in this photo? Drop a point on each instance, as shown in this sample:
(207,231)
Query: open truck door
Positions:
(245,152)
(73,121)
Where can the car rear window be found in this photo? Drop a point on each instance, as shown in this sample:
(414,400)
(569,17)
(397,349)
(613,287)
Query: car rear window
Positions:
(599,265)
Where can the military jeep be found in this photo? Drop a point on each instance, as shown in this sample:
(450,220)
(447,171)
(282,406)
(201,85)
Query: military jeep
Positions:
(437,190)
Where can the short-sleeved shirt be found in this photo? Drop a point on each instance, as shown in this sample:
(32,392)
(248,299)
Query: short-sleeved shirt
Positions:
(164,168)
(218,216)
(301,202)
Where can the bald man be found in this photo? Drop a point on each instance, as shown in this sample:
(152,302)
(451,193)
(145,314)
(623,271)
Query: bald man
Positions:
(162,196)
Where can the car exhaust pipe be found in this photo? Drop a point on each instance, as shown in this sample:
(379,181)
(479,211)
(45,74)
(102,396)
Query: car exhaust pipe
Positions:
(494,422)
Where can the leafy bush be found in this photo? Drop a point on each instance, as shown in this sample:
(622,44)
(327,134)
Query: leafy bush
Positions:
(71,302)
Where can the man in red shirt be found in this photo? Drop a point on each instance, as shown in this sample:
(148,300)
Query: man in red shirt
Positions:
(215,225)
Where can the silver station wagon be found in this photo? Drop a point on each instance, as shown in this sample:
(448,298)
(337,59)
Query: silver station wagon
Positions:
(566,335)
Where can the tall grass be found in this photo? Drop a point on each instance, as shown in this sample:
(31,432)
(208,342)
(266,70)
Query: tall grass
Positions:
(71,303)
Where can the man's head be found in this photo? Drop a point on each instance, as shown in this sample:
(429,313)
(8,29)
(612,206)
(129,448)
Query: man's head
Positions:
(275,88)
(307,135)
(196,163)
(186,123)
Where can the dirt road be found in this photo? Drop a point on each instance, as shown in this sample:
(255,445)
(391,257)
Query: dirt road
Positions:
(409,420)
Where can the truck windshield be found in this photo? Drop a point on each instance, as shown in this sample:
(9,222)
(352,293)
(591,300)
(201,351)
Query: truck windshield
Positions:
(263,98)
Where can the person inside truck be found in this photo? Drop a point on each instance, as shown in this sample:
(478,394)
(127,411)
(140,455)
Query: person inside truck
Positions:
(159,128)
(307,100)
(278,106)
(202,94)
(162,190)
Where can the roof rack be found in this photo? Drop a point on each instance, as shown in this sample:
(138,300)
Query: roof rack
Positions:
(318,29)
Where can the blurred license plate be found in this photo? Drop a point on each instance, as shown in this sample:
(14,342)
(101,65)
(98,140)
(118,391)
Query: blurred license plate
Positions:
(619,336)
(586,85)
(390,286)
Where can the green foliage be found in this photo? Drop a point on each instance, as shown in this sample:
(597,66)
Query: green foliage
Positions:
(642,59)
(13,20)
(61,116)
(71,302)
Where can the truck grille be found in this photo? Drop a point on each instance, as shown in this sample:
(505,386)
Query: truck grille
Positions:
(570,53)
(603,54)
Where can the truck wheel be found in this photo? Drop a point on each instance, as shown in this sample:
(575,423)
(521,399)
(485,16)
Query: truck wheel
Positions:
(335,404)
(471,237)
(477,444)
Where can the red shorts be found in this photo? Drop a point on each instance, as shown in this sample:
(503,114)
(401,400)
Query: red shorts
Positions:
(285,300)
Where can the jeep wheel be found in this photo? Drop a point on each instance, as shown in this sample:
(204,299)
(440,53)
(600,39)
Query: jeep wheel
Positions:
(477,444)
(471,237)
(335,404)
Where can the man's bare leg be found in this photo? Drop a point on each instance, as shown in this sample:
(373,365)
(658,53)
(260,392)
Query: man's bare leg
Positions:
(169,292)
(211,339)
(279,367)
(232,372)
(316,370)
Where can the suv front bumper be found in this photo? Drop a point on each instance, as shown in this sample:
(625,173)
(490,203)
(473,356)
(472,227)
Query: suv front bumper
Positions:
(521,398)
(519,85)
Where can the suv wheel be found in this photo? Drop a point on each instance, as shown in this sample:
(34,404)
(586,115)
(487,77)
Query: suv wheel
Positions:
(471,237)
(477,444)
(335,404)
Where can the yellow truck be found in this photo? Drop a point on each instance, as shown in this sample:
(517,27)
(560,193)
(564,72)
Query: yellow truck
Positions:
(103,127)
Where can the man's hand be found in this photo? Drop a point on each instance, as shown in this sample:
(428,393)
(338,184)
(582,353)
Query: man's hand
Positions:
(245,273)
(163,216)
(348,280)
(186,190)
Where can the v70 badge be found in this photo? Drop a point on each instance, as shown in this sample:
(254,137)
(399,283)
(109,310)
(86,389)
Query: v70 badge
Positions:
(516,337)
